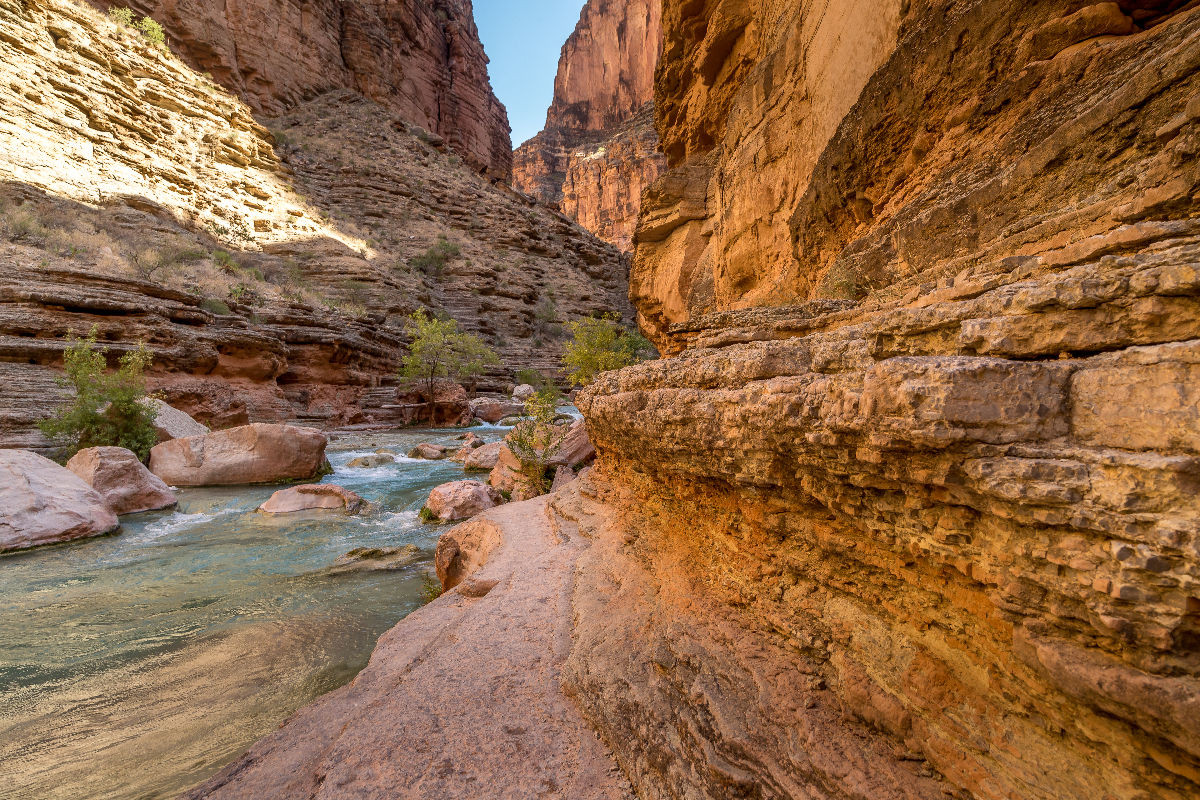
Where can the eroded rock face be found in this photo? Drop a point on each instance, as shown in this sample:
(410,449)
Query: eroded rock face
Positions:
(422,59)
(598,148)
(911,510)
(171,423)
(255,453)
(43,503)
(121,479)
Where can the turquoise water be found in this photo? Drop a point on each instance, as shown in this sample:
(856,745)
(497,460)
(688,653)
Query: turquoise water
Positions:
(135,665)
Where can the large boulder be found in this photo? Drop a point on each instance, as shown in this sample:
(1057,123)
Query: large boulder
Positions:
(255,453)
(508,476)
(44,503)
(491,410)
(523,393)
(429,452)
(121,479)
(171,423)
(483,458)
(450,403)
(313,497)
(460,500)
(575,449)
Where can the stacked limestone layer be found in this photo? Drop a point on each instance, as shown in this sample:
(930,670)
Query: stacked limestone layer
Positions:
(920,479)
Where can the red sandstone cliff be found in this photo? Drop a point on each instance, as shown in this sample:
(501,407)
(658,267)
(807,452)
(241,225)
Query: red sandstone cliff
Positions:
(424,60)
(598,148)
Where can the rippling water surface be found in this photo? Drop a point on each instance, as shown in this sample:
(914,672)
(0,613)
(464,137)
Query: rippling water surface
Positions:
(135,665)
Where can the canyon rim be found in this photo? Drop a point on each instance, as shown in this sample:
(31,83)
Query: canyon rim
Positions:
(908,508)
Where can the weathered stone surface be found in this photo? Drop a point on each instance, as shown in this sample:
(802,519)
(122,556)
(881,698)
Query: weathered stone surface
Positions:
(461,500)
(562,476)
(171,423)
(491,410)
(255,453)
(522,393)
(124,483)
(374,559)
(371,461)
(311,497)
(430,452)
(575,449)
(43,503)
(598,148)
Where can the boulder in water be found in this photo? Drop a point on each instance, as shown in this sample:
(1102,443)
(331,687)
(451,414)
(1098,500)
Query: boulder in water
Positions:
(121,479)
(44,503)
(255,453)
(312,497)
(374,559)
(429,452)
(371,461)
(483,458)
(461,500)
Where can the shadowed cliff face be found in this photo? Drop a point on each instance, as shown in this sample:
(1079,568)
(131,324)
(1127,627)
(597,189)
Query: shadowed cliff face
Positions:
(422,60)
(598,148)
(919,479)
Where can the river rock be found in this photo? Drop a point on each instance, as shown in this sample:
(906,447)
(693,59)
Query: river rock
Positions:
(44,503)
(483,458)
(523,393)
(491,410)
(121,479)
(171,423)
(461,499)
(311,497)
(575,448)
(429,452)
(255,453)
(371,461)
(374,559)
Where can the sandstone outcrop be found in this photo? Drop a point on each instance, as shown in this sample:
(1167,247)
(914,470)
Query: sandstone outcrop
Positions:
(312,497)
(575,449)
(122,480)
(423,60)
(491,410)
(43,503)
(461,500)
(910,512)
(255,453)
(598,148)
(270,271)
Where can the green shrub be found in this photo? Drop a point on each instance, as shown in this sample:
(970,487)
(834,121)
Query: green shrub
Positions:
(214,306)
(438,349)
(121,16)
(431,589)
(536,439)
(107,410)
(153,32)
(598,345)
(427,516)
(433,260)
(223,260)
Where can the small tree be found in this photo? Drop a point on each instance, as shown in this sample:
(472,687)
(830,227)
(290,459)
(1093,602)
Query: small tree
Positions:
(107,409)
(440,350)
(598,345)
(536,439)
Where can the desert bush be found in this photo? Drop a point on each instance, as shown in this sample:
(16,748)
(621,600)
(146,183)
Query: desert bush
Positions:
(107,410)
(438,349)
(433,260)
(214,306)
(121,16)
(537,438)
(599,344)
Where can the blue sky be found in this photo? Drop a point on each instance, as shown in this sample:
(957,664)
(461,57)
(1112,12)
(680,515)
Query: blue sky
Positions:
(523,39)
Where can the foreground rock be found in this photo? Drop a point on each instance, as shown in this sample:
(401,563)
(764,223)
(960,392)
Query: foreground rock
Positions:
(483,458)
(575,449)
(508,475)
(121,479)
(44,503)
(470,680)
(255,453)
(311,497)
(461,500)
(374,559)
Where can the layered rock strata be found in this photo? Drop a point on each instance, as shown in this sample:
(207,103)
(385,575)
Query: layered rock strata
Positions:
(598,148)
(422,60)
(911,511)
(270,273)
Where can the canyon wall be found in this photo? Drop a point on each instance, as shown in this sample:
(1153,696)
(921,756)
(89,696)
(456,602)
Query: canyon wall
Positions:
(421,59)
(911,510)
(598,149)
(270,271)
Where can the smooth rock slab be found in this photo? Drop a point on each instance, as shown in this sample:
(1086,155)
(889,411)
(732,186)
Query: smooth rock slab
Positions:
(313,497)
(374,559)
(121,479)
(171,423)
(255,453)
(461,500)
(44,503)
